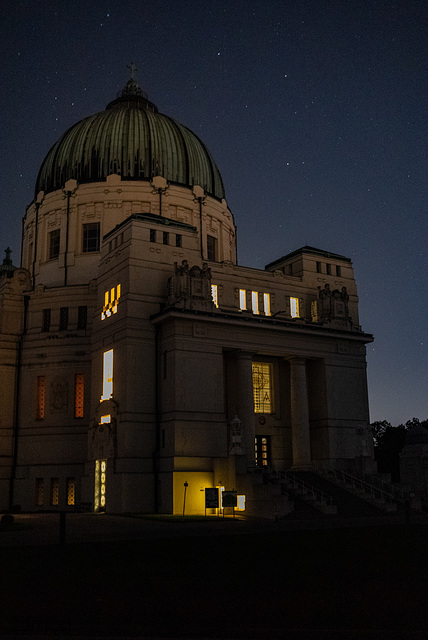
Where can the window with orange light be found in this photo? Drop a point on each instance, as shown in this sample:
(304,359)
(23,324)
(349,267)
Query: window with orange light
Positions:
(79,395)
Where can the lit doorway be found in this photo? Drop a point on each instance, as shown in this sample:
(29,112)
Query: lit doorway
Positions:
(262,451)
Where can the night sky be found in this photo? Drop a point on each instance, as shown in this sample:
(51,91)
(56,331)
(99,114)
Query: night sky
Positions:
(315,112)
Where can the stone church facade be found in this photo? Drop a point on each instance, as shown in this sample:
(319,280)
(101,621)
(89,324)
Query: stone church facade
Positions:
(139,363)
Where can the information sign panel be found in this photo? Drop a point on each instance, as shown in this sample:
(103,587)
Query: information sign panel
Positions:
(229,499)
(211,498)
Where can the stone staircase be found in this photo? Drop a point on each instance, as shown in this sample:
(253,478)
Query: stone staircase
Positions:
(347,504)
(326,493)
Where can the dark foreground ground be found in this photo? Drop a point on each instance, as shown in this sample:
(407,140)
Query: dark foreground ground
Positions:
(342,583)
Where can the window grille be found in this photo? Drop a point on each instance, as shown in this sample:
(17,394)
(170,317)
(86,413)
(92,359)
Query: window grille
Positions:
(79,395)
(91,237)
(54,239)
(71,492)
(40,492)
(262,387)
(41,397)
(54,492)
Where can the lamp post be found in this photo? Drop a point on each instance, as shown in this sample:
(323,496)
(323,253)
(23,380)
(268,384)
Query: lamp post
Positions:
(186,484)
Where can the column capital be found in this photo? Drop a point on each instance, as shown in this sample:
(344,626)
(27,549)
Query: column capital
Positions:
(296,359)
(245,355)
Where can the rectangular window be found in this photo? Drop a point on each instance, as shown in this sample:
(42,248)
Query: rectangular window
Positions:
(100,485)
(266,304)
(40,492)
(211,248)
(242,299)
(255,302)
(107,375)
(71,491)
(82,317)
(165,237)
(111,299)
(178,239)
(46,320)
(54,238)
(338,271)
(318,267)
(294,308)
(152,235)
(314,311)
(54,492)
(214,294)
(328,269)
(79,394)
(91,237)
(262,387)
(41,397)
(63,318)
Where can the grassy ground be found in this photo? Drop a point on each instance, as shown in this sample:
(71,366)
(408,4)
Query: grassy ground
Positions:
(264,585)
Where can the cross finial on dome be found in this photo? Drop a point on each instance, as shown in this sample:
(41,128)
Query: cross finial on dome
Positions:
(132,69)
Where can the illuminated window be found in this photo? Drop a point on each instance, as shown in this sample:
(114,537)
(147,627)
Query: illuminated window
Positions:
(240,503)
(262,451)
(221,489)
(91,237)
(111,299)
(79,395)
(41,397)
(63,318)
(242,299)
(54,492)
(46,320)
(105,419)
(294,307)
(40,492)
(82,317)
(211,248)
(71,491)
(214,294)
(255,302)
(266,304)
(314,311)
(107,375)
(100,485)
(54,238)
(262,387)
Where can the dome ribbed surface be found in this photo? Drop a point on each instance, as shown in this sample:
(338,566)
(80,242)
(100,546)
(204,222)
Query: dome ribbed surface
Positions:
(132,139)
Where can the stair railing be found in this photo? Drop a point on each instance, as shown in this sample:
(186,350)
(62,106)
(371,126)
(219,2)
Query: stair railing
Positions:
(377,493)
(388,488)
(300,486)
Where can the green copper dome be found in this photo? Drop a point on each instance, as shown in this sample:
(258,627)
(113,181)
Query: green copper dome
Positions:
(130,138)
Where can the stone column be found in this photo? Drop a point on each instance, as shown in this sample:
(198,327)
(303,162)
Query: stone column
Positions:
(246,404)
(299,414)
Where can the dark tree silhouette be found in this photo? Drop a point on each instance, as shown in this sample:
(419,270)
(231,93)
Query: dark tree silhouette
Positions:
(388,442)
